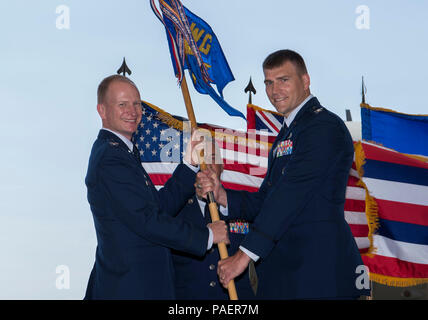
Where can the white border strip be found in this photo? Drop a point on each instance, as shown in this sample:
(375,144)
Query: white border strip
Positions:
(397,191)
(405,251)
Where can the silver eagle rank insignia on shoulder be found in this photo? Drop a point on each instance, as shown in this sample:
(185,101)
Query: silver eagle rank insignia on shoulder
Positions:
(113,143)
(318,110)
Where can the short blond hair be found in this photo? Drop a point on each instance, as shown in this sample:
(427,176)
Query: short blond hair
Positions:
(104,85)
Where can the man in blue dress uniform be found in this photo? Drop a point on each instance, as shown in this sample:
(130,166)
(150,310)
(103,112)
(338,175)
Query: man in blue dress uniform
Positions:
(134,222)
(299,233)
(196,277)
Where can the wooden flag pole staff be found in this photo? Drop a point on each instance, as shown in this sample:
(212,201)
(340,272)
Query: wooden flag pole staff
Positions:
(211,200)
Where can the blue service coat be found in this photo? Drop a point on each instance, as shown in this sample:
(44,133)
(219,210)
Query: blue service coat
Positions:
(306,247)
(135,226)
(196,277)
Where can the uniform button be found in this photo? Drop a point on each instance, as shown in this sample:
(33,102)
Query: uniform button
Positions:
(212,267)
(213,284)
(211,250)
(269,183)
(190,201)
(283,171)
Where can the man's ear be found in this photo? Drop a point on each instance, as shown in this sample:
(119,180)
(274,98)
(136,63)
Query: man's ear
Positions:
(101,108)
(306,81)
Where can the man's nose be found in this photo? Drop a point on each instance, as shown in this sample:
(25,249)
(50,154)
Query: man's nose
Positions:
(275,88)
(132,109)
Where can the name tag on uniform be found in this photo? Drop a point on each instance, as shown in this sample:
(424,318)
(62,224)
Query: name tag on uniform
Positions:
(284,148)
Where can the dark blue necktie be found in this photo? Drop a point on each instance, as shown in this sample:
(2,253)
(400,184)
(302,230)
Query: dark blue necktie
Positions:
(136,153)
(207,214)
(279,138)
(282,132)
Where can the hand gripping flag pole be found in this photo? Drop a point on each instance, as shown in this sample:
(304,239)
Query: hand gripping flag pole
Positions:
(211,200)
(180,18)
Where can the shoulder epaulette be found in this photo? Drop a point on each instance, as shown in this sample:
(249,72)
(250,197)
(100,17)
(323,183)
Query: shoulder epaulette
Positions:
(114,143)
(317,110)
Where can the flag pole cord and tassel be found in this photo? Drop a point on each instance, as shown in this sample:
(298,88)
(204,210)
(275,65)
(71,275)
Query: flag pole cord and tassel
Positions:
(175,12)
(211,200)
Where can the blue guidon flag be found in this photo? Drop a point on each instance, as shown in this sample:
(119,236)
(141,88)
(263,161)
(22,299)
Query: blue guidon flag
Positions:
(194,46)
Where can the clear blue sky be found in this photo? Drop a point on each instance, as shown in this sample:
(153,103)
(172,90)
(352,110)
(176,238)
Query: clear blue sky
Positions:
(48,93)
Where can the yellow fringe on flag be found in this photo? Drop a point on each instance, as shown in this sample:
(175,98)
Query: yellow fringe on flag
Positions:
(257,108)
(169,120)
(373,224)
(371,205)
(397,282)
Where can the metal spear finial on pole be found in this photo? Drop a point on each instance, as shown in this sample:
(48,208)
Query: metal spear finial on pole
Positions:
(250,88)
(363,91)
(124,69)
(348,115)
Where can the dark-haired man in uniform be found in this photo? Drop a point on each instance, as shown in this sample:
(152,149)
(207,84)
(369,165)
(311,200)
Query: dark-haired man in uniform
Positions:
(299,234)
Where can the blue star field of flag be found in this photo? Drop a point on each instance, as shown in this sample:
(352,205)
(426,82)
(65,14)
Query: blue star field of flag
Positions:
(158,142)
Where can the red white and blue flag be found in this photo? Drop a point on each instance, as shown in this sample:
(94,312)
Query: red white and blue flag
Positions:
(399,185)
(245,155)
(386,207)
(386,190)
(161,141)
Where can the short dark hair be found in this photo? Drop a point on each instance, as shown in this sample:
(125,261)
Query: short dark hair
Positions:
(103,86)
(278,58)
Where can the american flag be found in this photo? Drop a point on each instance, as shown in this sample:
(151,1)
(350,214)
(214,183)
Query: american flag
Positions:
(161,141)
